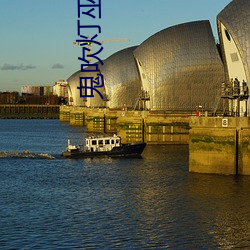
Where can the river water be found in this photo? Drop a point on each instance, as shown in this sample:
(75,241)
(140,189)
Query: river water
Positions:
(150,203)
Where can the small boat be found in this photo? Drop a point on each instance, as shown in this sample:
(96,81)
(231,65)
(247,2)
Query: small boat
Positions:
(96,146)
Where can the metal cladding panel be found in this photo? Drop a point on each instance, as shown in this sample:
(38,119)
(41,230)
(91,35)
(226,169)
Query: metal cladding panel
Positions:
(181,67)
(236,18)
(122,82)
(74,82)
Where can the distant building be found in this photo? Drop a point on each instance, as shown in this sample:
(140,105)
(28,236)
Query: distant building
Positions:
(60,89)
(37,90)
(30,90)
(47,90)
(9,97)
(40,100)
(39,95)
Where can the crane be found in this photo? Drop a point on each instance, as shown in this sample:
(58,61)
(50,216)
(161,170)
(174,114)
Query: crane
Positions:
(101,41)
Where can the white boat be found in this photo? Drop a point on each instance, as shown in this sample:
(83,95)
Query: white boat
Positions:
(103,146)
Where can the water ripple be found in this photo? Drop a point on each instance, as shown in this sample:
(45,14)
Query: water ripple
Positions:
(26,154)
(148,203)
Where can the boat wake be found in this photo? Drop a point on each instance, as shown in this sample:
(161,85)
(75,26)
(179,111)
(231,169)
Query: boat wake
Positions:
(26,154)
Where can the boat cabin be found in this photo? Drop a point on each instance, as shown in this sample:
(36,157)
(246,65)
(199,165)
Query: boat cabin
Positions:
(104,143)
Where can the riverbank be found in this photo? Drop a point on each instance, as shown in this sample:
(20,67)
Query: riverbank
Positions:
(25,111)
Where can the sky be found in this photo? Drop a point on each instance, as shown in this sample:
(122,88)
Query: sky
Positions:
(36,35)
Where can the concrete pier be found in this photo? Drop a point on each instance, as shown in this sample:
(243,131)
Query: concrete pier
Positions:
(132,126)
(167,129)
(219,145)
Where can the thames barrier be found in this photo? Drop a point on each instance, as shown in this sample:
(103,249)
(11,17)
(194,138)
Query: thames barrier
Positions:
(152,92)
(191,90)
(219,145)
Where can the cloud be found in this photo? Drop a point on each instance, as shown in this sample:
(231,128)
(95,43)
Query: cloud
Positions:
(57,66)
(21,66)
(29,67)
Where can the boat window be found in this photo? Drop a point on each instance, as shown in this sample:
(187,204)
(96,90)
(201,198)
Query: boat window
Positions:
(107,142)
(112,142)
(117,141)
(93,142)
(100,142)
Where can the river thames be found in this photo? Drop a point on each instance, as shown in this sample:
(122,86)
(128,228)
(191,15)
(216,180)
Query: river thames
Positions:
(149,203)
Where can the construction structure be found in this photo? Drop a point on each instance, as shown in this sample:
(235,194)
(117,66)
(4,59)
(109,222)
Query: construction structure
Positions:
(234,33)
(180,68)
(141,77)
(221,145)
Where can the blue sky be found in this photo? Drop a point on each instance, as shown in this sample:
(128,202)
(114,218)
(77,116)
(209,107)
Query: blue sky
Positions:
(36,35)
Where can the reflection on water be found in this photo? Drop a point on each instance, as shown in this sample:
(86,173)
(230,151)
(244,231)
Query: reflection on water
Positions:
(148,203)
(224,201)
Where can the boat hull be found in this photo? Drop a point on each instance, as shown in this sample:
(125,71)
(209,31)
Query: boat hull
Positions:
(126,150)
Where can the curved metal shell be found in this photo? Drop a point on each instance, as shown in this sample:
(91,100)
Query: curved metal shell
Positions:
(122,82)
(234,33)
(236,19)
(180,67)
(74,93)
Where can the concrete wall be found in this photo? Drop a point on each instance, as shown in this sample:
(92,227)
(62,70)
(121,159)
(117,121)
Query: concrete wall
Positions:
(167,129)
(132,126)
(219,145)
(64,114)
(94,120)
(244,151)
(20,111)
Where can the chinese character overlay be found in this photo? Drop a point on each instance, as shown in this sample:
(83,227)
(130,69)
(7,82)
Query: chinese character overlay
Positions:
(90,84)
(87,85)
